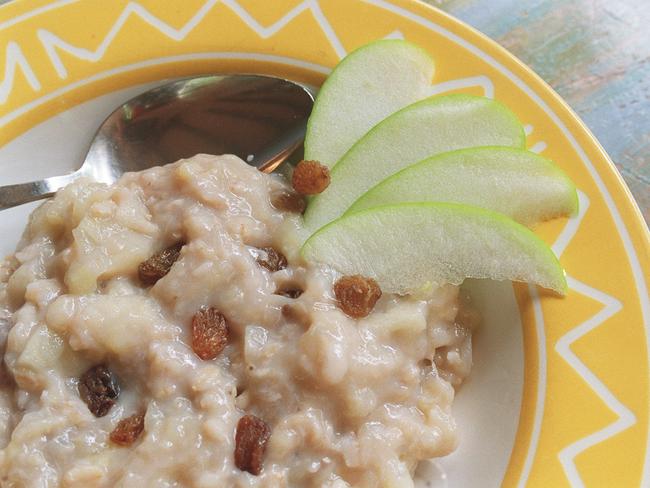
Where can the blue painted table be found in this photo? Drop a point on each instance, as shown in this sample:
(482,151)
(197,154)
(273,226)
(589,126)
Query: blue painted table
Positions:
(595,54)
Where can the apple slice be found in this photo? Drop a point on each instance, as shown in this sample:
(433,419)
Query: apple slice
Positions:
(365,87)
(412,245)
(423,129)
(518,183)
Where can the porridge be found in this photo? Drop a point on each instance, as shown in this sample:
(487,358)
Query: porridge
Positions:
(165,332)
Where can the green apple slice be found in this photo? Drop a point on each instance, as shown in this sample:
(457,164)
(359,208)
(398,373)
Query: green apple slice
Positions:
(364,88)
(423,129)
(518,183)
(408,246)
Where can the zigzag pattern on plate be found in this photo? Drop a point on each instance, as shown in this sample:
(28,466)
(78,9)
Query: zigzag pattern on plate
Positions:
(539,146)
(15,58)
(52,42)
(626,418)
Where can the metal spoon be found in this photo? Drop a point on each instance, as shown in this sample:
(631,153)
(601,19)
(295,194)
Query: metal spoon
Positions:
(258,118)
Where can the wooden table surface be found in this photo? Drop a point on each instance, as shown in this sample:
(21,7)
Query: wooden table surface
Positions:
(595,54)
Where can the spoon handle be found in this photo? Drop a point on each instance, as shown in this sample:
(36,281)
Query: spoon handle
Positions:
(13,195)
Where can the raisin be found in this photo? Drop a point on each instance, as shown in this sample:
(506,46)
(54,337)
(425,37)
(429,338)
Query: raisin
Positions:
(128,430)
(209,333)
(357,295)
(310,177)
(158,265)
(289,201)
(99,389)
(289,292)
(250,443)
(269,258)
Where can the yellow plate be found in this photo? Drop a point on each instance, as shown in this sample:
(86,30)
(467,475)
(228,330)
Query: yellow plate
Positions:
(585,403)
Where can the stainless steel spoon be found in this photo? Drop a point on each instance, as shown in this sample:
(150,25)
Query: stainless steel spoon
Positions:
(258,118)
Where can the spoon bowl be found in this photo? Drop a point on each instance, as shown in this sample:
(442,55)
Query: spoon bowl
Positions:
(261,119)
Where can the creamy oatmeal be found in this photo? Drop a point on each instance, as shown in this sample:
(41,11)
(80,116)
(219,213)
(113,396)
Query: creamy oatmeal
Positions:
(226,361)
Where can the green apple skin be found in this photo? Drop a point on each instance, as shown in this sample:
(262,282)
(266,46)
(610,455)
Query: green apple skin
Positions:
(364,88)
(409,246)
(423,129)
(518,183)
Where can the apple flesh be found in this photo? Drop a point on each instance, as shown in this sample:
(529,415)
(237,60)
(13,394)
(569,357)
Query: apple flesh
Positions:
(518,183)
(423,129)
(409,245)
(365,87)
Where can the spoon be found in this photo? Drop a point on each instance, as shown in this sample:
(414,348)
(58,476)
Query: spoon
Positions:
(258,118)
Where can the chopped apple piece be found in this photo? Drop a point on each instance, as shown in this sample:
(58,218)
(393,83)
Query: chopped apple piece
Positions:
(365,87)
(426,128)
(408,246)
(515,182)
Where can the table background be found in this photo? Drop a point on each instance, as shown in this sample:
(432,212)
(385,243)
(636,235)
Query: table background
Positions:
(595,54)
